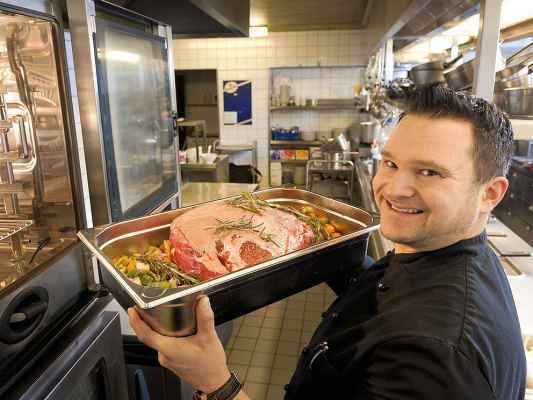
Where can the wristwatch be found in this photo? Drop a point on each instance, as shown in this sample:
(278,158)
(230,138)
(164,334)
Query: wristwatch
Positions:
(227,391)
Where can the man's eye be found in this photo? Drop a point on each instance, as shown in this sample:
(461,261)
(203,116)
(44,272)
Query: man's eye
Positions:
(389,164)
(429,172)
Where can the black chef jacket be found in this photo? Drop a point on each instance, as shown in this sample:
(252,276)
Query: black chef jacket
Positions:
(432,325)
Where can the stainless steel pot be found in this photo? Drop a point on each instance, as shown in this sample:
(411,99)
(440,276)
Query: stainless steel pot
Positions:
(369,131)
(431,72)
(522,81)
(519,101)
(461,77)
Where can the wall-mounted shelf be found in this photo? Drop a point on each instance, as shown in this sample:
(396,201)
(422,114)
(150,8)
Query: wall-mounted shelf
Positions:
(313,108)
(295,162)
(294,143)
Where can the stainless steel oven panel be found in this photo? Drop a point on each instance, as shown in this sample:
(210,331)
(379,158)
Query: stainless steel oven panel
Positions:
(171,311)
(88,364)
(41,162)
(102,170)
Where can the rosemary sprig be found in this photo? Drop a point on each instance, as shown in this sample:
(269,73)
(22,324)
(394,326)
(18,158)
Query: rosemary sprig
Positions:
(161,267)
(249,203)
(244,224)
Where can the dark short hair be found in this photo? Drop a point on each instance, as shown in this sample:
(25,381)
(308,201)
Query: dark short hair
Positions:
(493,133)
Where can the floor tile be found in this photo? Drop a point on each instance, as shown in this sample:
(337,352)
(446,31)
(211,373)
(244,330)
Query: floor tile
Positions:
(298,297)
(312,307)
(272,323)
(306,336)
(248,331)
(266,346)
(259,313)
(315,298)
(285,362)
(275,392)
(281,376)
(259,374)
(312,316)
(275,313)
(308,326)
(262,360)
(290,335)
(287,348)
(240,357)
(243,343)
(293,314)
(296,306)
(290,323)
(253,320)
(256,391)
(269,333)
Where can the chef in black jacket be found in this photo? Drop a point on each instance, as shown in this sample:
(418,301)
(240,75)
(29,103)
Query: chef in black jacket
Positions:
(435,318)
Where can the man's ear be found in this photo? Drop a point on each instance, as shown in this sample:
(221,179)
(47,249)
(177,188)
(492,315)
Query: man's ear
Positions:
(493,193)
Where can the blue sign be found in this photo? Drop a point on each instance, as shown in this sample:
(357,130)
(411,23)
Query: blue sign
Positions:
(237,102)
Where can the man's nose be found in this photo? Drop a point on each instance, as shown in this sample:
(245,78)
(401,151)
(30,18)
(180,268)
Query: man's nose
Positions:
(401,185)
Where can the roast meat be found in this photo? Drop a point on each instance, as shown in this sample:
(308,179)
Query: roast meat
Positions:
(205,243)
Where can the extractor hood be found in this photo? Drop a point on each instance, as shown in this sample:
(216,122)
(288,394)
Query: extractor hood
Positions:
(196,18)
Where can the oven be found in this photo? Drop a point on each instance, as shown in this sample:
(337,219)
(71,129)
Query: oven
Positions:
(87,364)
(123,64)
(53,331)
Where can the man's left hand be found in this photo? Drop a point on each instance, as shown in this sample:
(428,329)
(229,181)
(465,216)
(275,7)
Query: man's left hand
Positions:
(199,359)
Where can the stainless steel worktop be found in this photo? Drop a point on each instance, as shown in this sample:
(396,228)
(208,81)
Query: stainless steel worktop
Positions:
(200,192)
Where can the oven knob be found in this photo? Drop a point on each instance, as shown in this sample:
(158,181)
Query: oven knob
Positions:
(23,315)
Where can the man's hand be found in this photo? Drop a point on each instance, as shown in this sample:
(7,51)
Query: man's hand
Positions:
(199,360)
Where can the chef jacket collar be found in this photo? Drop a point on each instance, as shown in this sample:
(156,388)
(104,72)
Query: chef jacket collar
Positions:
(412,259)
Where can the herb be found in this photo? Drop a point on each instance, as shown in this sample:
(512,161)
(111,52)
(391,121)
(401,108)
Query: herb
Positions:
(247,202)
(244,224)
(164,269)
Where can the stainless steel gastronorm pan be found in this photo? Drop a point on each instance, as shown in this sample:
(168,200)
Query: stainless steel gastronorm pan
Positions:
(171,311)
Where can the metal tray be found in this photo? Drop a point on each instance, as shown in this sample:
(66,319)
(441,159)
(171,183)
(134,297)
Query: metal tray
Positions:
(171,311)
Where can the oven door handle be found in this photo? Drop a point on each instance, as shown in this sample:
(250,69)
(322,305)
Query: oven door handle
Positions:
(29,312)
(141,388)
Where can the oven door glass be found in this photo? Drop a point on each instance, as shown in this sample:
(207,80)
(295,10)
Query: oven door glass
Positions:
(135,99)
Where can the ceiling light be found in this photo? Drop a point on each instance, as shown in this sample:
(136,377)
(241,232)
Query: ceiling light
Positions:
(258,31)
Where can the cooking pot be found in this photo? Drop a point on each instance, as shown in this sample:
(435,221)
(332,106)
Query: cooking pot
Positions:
(461,77)
(368,131)
(519,101)
(431,72)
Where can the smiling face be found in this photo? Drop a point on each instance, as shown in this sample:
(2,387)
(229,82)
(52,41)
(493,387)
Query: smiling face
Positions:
(425,186)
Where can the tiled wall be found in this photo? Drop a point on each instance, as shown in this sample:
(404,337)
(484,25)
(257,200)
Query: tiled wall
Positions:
(79,137)
(252,59)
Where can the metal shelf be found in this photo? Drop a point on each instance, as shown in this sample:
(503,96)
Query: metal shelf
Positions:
(313,108)
(297,162)
(295,143)
(9,228)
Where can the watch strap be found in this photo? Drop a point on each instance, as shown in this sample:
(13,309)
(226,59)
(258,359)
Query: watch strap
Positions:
(227,391)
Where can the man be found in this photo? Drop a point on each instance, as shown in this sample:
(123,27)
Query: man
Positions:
(435,318)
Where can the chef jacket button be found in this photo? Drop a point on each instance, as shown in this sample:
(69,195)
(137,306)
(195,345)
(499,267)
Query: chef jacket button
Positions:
(334,315)
(353,280)
(382,287)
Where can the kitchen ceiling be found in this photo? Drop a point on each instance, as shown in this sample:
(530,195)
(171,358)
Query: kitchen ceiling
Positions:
(294,15)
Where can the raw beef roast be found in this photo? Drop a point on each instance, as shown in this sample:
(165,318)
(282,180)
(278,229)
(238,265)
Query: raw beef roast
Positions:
(207,243)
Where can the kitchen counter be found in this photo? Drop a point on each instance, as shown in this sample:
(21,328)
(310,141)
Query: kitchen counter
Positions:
(200,192)
(199,172)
